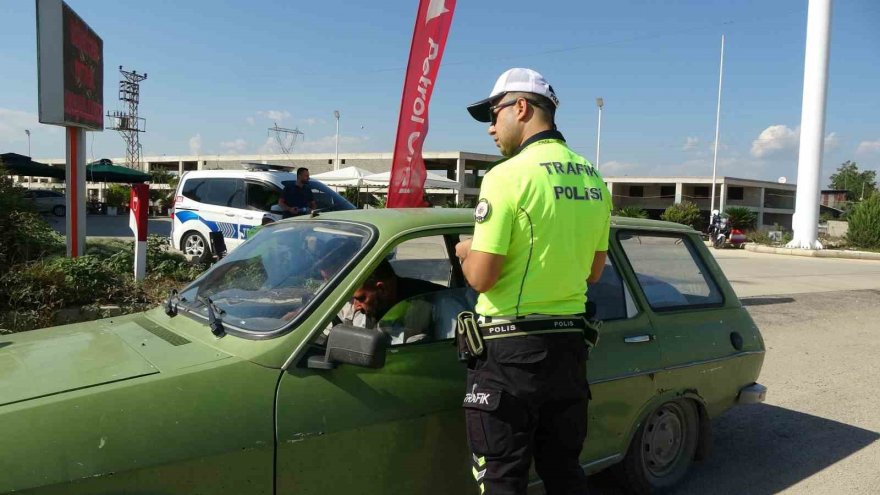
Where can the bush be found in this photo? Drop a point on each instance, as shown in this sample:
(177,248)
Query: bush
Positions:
(741,218)
(864,224)
(631,212)
(686,213)
(24,235)
(118,195)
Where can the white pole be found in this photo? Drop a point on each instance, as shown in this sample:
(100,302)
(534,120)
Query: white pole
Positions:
(336,162)
(600,103)
(717,128)
(806,212)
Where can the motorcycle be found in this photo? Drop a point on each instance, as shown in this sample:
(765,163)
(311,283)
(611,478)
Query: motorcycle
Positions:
(722,233)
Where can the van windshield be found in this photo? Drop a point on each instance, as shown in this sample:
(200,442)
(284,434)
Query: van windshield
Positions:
(269,281)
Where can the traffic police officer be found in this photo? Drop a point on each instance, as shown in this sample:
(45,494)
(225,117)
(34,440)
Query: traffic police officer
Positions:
(541,234)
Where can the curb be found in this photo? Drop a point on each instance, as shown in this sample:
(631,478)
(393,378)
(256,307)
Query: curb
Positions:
(823,253)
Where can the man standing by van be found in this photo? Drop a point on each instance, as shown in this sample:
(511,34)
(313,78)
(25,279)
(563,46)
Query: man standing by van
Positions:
(297,198)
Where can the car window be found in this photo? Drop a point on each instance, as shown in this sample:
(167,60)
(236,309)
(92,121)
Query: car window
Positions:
(261,196)
(423,258)
(669,270)
(271,280)
(219,191)
(609,296)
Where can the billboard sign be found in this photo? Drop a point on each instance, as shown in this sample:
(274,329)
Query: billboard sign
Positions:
(70,63)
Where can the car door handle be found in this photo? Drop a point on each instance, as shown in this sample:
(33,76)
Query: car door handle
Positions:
(638,339)
(248,218)
(229,214)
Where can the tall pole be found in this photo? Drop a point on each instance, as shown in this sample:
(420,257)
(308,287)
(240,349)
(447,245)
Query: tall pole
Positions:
(806,212)
(28,132)
(717,128)
(336,162)
(599,103)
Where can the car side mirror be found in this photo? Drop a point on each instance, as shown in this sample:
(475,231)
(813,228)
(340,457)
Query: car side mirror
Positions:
(352,345)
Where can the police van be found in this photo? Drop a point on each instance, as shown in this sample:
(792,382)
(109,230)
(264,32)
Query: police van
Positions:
(232,202)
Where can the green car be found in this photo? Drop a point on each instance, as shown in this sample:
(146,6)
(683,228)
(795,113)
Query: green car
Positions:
(247,382)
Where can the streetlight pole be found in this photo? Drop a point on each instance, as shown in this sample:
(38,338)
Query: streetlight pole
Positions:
(336,162)
(717,123)
(599,103)
(28,132)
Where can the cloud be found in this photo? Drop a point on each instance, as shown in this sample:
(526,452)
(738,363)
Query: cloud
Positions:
(868,147)
(237,146)
(832,142)
(275,115)
(313,121)
(250,121)
(347,144)
(780,140)
(616,168)
(195,145)
(775,140)
(691,143)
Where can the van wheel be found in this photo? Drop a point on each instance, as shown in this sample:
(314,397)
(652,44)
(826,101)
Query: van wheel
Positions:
(194,244)
(662,449)
(59,210)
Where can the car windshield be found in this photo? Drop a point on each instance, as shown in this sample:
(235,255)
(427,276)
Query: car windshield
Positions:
(325,198)
(270,280)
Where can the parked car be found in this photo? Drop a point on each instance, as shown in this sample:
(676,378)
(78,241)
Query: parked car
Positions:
(244,383)
(47,201)
(232,202)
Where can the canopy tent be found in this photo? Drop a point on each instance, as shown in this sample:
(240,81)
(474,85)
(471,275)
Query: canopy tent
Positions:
(348,176)
(103,170)
(17,164)
(432,181)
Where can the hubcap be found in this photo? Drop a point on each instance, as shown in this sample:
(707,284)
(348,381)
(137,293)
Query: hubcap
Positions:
(663,439)
(194,246)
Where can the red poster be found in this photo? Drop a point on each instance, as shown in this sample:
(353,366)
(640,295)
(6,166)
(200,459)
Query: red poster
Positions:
(407,188)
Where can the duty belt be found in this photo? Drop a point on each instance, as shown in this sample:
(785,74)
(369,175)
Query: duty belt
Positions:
(472,333)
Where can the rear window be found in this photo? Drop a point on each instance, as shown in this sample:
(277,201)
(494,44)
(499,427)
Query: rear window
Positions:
(669,270)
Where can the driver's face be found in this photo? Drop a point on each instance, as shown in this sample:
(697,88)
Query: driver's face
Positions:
(369,300)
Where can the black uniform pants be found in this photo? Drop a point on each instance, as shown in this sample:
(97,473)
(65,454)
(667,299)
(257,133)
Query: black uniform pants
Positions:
(527,397)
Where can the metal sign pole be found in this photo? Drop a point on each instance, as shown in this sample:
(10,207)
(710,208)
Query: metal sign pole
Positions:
(76,187)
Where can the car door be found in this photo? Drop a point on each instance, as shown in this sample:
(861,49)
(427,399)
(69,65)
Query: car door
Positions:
(222,208)
(398,429)
(699,325)
(621,366)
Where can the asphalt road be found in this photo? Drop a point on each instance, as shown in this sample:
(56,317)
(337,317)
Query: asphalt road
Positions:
(115,226)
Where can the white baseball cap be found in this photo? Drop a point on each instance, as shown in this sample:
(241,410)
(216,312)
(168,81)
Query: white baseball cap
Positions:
(513,80)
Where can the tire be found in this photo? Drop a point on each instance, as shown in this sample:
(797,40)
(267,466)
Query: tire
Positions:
(59,210)
(194,244)
(662,450)
(718,242)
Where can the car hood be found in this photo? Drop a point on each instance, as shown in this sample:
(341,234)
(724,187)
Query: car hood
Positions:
(51,361)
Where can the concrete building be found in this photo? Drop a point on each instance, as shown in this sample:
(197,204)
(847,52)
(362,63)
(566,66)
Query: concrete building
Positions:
(463,167)
(771,201)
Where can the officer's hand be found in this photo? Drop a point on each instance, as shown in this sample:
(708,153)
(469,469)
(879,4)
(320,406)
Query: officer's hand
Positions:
(462,249)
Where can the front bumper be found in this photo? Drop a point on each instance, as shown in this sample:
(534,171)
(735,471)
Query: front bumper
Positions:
(752,394)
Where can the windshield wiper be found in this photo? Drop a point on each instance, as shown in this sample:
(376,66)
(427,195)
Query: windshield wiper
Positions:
(215,322)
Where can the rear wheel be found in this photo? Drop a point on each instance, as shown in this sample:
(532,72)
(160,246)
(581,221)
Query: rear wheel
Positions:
(718,242)
(194,244)
(662,449)
(59,210)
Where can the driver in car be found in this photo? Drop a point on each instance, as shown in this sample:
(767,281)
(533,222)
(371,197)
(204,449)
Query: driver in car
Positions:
(375,305)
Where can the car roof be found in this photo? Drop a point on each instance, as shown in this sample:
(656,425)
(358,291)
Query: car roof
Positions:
(403,219)
(278,175)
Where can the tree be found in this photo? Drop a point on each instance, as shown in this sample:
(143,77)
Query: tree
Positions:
(864,223)
(741,218)
(858,185)
(631,212)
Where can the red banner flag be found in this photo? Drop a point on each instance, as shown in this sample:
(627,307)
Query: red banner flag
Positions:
(407,189)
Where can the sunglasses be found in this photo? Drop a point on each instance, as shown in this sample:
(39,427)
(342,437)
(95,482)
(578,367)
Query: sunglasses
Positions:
(495,109)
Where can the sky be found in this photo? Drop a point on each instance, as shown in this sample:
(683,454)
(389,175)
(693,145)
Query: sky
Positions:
(221,73)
